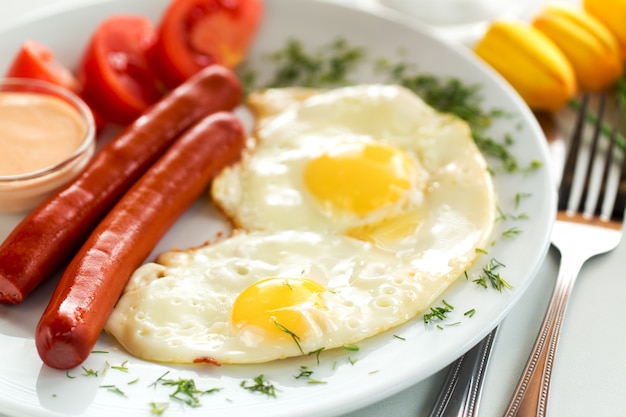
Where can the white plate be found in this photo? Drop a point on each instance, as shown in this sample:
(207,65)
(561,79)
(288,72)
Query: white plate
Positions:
(385,364)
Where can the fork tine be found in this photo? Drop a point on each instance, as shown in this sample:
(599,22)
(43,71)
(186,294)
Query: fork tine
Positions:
(620,200)
(569,168)
(592,158)
(609,158)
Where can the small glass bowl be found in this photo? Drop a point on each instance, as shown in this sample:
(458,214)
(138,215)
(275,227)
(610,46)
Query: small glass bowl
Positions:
(24,191)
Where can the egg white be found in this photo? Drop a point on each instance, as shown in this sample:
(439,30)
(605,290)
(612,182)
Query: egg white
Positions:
(178,308)
(451,198)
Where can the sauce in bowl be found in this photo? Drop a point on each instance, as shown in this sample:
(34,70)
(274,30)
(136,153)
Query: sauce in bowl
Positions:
(46,139)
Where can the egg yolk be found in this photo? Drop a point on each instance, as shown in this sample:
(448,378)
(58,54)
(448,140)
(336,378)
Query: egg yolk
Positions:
(275,305)
(386,232)
(359,178)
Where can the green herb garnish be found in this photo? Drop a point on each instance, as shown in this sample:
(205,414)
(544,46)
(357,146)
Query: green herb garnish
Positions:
(123,367)
(186,391)
(490,275)
(317,354)
(438,313)
(89,372)
(294,336)
(114,389)
(260,384)
(158,408)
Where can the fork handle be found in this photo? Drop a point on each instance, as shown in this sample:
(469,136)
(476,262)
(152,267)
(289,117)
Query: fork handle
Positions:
(531,395)
(460,396)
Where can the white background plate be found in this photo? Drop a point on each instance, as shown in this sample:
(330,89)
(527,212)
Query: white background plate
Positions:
(385,364)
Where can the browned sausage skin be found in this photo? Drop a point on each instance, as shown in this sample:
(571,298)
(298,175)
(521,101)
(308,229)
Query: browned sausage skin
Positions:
(49,236)
(94,280)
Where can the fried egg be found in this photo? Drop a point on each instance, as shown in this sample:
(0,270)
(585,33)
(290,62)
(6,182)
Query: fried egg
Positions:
(354,209)
(259,296)
(369,161)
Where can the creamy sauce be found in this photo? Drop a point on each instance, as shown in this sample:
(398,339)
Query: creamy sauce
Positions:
(45,141)
(38,132)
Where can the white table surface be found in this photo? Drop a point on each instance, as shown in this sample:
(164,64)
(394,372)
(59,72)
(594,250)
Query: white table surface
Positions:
(590,370)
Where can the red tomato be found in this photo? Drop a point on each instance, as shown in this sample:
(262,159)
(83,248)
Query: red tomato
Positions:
(35,60)
(117,82)
(195,33)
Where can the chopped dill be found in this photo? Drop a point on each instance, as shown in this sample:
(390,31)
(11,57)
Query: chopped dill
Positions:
(511,233)
(519,197)
(114,389)
(399,337)
(490,275)
(123,367)
(317,354)
(313,381)
(438,313)
(305,372)
(470,313)
(186,391)
(89,372)
(67,374)
(354,348)
(294,336)
(156,382)
(327,66)
(260,384)
(158,408)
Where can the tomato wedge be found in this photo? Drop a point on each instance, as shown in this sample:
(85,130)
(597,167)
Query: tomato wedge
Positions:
(36,61)
(117,81)
(195,33)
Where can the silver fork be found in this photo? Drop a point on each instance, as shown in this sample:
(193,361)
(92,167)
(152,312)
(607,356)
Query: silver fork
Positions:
(460,396)
(579,233)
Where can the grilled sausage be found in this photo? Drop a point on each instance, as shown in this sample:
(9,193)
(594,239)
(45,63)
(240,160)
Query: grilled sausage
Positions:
(95,278)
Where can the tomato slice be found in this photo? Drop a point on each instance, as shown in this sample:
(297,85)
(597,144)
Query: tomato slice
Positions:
(195,33)
(117,81)
(36,61)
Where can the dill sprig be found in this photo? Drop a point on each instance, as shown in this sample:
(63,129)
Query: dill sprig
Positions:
(317,353)
(324,67)
(89,372)
(438,313)
(114,389)
(490,275)
(294,336)
(305,372)
(158,408)
(122,367)
(260,384)
(185,390)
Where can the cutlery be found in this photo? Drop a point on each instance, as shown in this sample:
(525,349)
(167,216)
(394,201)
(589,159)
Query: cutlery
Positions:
(460,396)
(583,229)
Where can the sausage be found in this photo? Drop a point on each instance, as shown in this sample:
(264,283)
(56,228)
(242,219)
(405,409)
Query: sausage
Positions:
(95,278)
(47,238)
